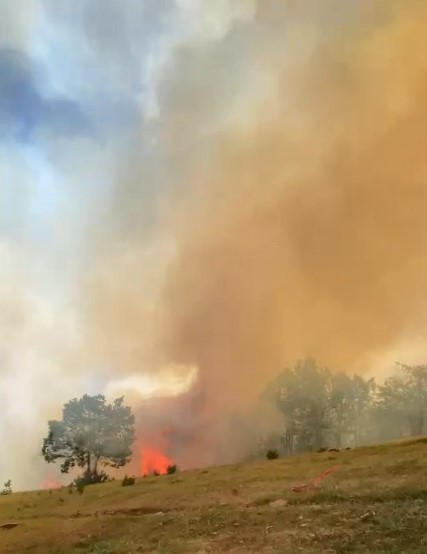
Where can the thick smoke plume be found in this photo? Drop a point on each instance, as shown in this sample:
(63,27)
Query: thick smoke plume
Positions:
(270,204)
(299,217)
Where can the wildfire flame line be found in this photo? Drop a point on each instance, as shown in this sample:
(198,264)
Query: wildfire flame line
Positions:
(154,461)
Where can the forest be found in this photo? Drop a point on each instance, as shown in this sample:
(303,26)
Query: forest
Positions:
(324,409)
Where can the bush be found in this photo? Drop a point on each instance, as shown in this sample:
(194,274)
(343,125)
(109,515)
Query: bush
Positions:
(323,449)
(128,481)
(171,469)
(80,485)
(272,455)
(156,473)
(90,479)
(7,489)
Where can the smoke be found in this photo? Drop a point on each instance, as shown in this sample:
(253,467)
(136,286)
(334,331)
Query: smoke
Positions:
(297,142)
(260,198)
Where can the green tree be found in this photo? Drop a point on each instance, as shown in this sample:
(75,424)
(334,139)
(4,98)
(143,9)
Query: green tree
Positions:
(341,406)
(363,391)
(350,403)
(304,399)
(91,433)
(402,400)
(321,408)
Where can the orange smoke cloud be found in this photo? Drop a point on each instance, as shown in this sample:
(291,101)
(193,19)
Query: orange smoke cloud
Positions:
(299,227)
(307,233)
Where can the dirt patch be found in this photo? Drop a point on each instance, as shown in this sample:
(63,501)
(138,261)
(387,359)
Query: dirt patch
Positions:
(7,526)
(140,511)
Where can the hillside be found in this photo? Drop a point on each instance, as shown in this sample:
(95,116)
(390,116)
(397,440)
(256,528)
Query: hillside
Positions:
(375,501)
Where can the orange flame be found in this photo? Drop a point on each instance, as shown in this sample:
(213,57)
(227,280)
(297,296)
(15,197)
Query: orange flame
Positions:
(50,483)
(153,460)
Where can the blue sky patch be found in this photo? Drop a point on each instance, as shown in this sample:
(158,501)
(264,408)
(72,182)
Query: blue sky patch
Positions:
(24,110)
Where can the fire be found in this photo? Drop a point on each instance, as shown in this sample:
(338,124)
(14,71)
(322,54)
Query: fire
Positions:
(153,460)
(50,483)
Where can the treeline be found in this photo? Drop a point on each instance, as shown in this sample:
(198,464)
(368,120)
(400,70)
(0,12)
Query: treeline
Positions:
(325,409)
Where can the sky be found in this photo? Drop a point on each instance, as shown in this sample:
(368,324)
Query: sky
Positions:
(196,190)
(78,81)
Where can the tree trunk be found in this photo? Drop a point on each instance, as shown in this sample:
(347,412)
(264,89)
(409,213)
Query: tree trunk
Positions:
(416,422)
(89,471)
(95,467)
(287,441)
(338,435)
(318,436)
(356,434)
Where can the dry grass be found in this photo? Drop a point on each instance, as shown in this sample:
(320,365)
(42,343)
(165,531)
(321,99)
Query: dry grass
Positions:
(375,502)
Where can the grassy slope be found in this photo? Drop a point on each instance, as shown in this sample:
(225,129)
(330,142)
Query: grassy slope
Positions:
(376,501)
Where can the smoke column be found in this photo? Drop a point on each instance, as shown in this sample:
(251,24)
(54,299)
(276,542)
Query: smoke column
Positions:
(238,185)
(299,220)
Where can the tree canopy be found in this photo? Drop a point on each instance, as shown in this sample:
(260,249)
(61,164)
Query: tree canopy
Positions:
(324,409)
(92,433)
(402,399)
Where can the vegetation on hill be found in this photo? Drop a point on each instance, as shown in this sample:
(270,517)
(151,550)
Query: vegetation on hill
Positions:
(322,408)
(374,501)
(92,433)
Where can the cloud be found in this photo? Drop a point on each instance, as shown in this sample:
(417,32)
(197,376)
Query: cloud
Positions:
(25,111)
(18,19)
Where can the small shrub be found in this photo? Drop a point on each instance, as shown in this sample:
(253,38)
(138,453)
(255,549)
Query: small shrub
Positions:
(272,455)
(7,489)
(80,485)
(128,481)
(262,501)
(171,469)
(156,473)
(323,449)
(89,479)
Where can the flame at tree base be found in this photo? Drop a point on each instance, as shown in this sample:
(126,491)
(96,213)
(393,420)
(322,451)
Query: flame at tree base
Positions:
(154,461)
